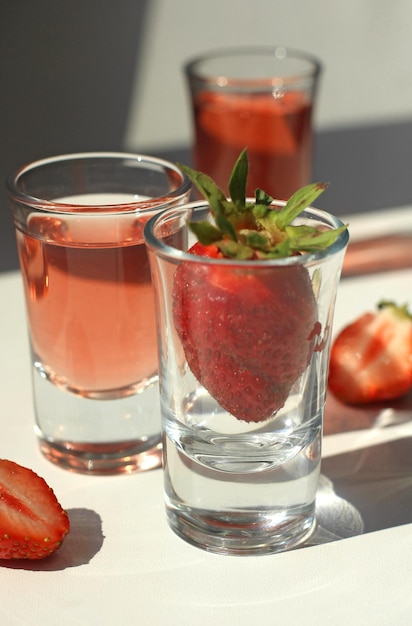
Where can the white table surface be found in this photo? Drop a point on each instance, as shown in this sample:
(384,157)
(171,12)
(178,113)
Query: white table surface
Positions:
(121,563)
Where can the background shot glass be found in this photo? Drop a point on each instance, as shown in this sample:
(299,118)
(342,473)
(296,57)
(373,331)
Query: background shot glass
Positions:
(261,98)
(236,487)
(79,225)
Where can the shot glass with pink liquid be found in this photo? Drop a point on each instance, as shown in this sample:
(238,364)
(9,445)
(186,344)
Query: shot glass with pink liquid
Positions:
(79,222)
(261,98)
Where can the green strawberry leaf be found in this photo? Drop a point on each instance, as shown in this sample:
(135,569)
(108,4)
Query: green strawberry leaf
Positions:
(275,221)
(205,184)
(205,232)
(302,230)
(297,203)
(222,221)
(217,200)
(304,240)
(254,239)
(280,251)
(261,197)
(234,250)
(238,179)
(400,311)
(260,211)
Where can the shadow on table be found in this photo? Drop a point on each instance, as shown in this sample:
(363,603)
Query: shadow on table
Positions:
(376,481)
(368,489)
(340,418)
(80,546)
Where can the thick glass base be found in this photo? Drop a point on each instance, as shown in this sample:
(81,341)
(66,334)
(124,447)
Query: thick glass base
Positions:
(254,507)
(247,533)
(105,435)
(104,459)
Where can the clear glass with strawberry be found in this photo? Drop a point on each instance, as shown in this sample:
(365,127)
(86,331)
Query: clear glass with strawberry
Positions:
(245,293)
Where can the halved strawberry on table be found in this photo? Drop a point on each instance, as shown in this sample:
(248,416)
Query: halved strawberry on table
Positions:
(248,332)
(371,358)
(33,525)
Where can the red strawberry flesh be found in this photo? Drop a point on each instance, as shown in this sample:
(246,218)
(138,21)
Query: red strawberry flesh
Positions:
(32,522)
(371,358)
(248,333)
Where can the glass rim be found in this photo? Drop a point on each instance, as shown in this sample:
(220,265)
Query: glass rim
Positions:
(280,53)
(50,206)
(172,253)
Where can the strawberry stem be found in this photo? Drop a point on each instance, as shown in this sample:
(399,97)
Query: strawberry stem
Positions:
(259,230)
(399,310)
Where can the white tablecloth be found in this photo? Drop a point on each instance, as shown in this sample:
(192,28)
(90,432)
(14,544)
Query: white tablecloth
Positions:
(121,563)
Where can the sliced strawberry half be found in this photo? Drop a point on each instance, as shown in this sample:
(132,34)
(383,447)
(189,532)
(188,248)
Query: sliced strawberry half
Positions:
(33,525)
(371,358)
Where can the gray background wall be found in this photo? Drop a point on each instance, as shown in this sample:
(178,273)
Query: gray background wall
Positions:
(66,80)
(102,74)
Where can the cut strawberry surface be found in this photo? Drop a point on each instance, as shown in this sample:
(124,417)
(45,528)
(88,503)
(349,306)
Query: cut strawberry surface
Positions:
(33,525)
(371,358)
(248,330)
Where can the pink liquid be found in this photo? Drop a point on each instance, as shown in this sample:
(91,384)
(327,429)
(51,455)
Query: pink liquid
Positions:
(90,305)
(276,132)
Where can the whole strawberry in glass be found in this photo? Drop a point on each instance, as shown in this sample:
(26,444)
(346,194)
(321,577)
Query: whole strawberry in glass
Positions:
(245,292)
(249,332)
